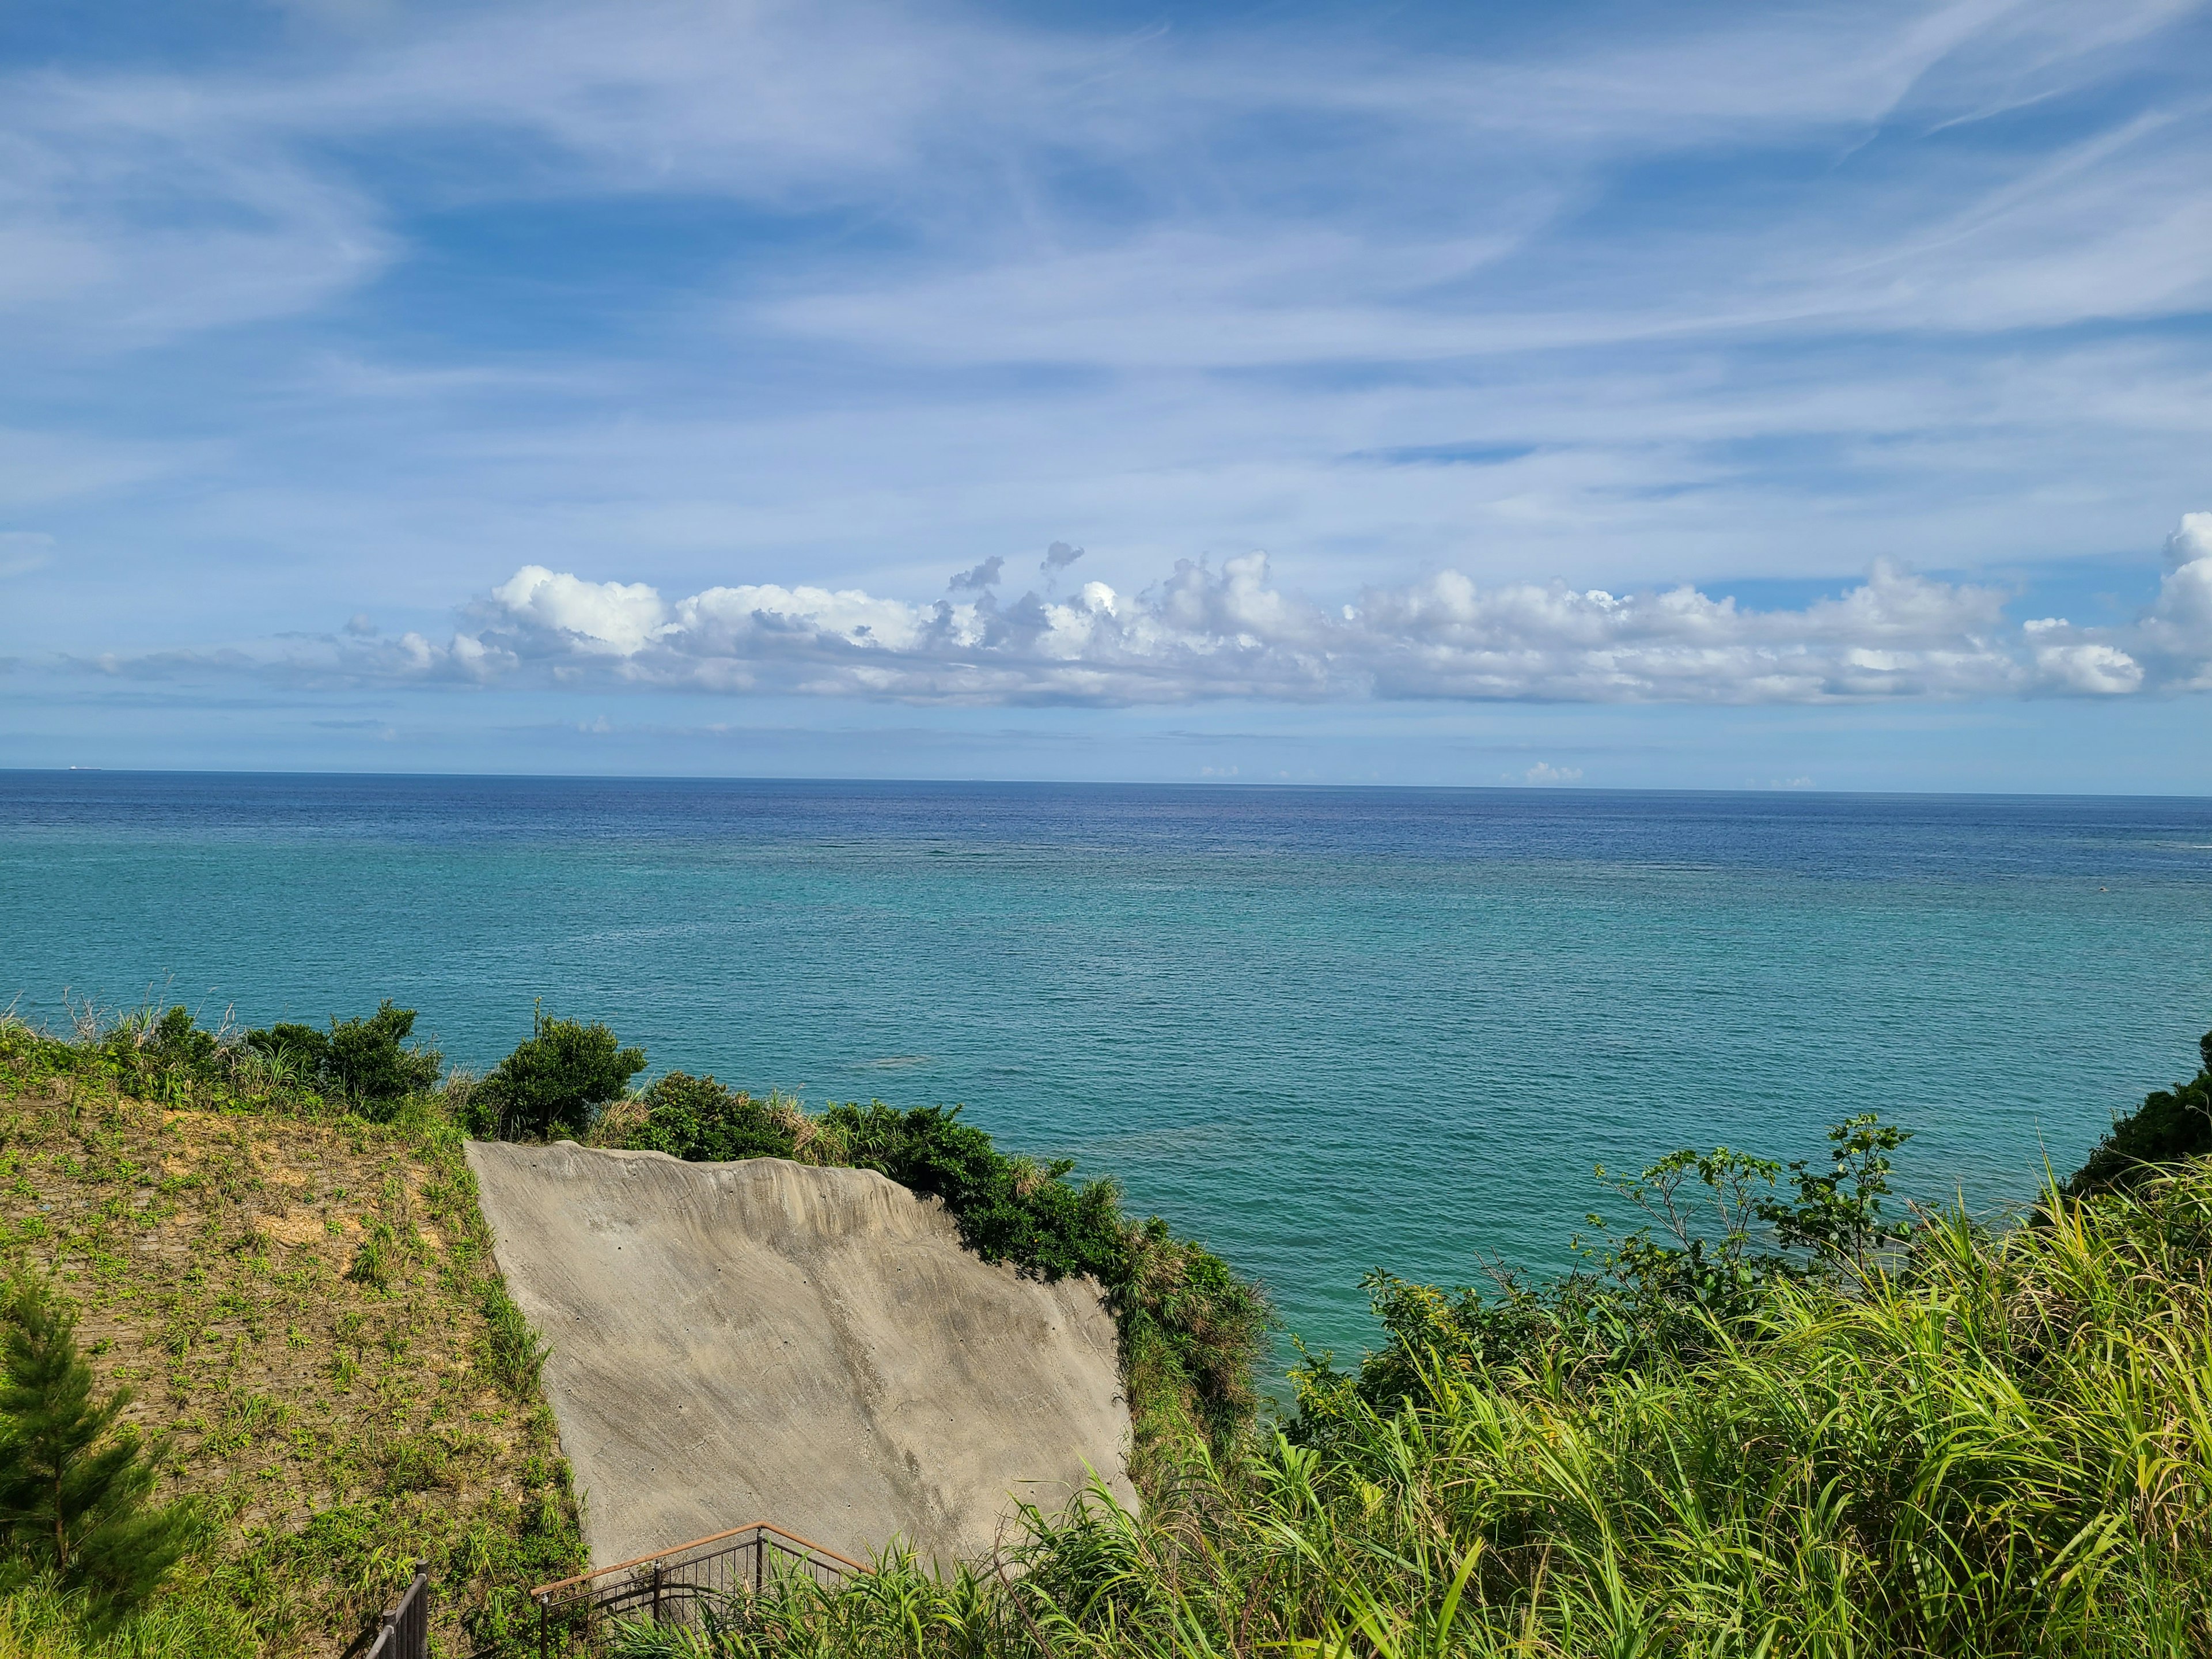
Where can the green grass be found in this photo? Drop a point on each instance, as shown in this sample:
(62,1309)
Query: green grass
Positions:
(1995,1444)
(306,1305)
(1805,1429)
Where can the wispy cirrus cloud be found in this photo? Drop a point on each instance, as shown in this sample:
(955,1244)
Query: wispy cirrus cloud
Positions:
(799,309)
(1206,632)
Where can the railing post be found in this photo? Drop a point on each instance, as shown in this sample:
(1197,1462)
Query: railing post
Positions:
(698,1576)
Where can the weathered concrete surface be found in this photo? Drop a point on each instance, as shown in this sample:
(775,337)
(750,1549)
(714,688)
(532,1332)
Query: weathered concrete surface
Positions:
(762,1340)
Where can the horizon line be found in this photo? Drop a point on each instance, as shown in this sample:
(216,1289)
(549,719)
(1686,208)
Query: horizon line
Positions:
(1193,784)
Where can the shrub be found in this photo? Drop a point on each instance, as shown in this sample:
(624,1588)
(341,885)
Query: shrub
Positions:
(365,1062)
(556,1077)
(1008,1209)
(172,1039)
(696,1119)
(361,1061)
(159,1051)
(1714,1242)
(2170,1125)
(299,1050)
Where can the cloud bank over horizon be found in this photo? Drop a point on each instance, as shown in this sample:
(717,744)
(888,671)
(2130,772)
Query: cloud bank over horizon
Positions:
(736,358)
(1205,632)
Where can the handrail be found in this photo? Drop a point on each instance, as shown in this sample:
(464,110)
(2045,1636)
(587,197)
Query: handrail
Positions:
(805,1544)
(402,1631)
(673,1585)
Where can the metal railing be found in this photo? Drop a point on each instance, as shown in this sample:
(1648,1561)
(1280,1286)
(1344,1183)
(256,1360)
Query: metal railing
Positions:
(403,1631)
(672,1585)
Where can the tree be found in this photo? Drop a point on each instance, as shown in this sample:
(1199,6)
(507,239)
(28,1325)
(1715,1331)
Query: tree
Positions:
(2171,1126)
(558,1074)
(1837,1213)
(74,1482)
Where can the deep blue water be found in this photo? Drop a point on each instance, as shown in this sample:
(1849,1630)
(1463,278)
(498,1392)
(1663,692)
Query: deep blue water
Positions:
(1323,1029)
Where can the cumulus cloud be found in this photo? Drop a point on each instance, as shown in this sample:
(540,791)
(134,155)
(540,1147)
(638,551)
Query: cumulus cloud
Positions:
(1543,772)
(984,576)
(1230,631)
(2178,631)
(1058,557)
(2170,647)
(1208,631)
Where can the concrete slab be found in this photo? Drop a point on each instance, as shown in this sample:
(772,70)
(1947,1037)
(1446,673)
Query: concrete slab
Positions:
(764,1340)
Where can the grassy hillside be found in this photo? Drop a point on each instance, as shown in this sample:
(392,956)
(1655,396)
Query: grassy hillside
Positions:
(304,1304)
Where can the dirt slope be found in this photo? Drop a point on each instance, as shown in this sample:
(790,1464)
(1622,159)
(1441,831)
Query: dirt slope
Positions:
(765,1340)
(296,1306)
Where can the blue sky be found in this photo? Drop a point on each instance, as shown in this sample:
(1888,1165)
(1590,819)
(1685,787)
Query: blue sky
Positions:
(1815,395)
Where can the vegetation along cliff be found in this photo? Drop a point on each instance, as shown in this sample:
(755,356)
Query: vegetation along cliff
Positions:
(1774,1412)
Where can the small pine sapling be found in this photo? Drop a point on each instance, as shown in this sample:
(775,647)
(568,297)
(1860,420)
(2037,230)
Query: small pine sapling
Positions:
(74,1482)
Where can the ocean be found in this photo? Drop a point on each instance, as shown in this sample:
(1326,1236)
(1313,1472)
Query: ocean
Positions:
(1322,1029)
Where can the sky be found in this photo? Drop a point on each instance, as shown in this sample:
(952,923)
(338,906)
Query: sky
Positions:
(1575,395)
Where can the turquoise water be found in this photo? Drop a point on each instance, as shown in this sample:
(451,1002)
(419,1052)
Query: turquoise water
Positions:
(1323,1029)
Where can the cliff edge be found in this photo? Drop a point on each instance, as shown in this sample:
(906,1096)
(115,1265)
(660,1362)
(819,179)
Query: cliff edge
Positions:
(766,1341)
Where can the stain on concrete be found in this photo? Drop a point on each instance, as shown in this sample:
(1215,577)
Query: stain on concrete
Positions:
(765,1340)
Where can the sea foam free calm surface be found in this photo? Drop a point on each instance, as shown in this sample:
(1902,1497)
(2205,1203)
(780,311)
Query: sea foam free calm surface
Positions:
(1323,1029)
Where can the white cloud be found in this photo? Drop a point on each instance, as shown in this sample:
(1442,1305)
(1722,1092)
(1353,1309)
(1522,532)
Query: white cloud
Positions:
(1208,632)
(2169,646)
(1282,255)
(1544,773)
(146,204)
(606,619)
(2178,631)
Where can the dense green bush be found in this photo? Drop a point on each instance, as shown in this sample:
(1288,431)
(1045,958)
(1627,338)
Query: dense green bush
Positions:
(1718,1230)
(554,1080)
(2171,1124)
(1008,1209)
(160,1052)
(296,1051)
(695,1118)
(359,1061)
(167,1040)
